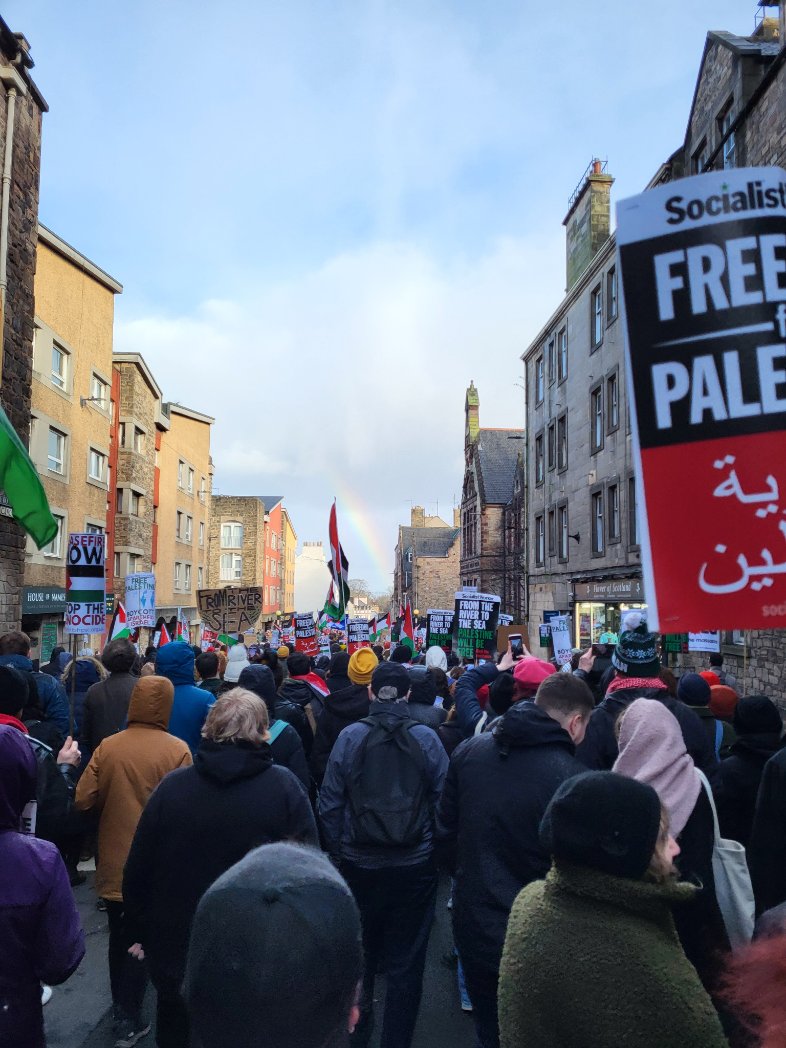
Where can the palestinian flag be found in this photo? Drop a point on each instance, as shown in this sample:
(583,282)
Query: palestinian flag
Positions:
(380,625)
(315,682)
(338,595)
(182,632)
(119,628)
(22,486)
(164,638)
(224,638)
(407,634)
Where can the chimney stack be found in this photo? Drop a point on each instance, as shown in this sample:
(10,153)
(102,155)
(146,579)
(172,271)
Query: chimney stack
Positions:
(588,221)
(418,518)
(457,516)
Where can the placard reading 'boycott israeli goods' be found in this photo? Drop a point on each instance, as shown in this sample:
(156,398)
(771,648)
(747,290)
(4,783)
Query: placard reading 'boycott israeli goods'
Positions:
(357,634)
(560,638)
(85,586)
(475,625)
(231,610)
(306,634)
(703,265)
(140,600)
(439,629)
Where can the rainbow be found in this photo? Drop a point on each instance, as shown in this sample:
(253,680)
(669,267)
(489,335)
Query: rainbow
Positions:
(353,511)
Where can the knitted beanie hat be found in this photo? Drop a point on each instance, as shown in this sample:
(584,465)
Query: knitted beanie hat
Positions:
(281,926)
(529,672)
(723,701)
(757,715)
(362,664)
(636,653)
(693,690)
(605,821)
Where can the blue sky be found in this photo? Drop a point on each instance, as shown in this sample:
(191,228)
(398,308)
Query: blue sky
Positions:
(328,218)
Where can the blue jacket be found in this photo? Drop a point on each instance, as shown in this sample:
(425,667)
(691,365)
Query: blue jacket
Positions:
(468,708)
(190,708)
(51,693)
(334,808)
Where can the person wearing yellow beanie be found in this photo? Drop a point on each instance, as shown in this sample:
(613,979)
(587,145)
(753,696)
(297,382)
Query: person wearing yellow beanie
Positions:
(361,665)
(283,652)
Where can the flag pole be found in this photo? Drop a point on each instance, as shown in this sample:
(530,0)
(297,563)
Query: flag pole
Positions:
(72,701)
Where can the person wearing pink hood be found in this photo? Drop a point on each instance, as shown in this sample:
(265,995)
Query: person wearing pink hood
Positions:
(652,750)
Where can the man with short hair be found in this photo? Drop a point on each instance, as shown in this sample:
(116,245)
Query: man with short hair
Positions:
(497,789)
(402,654)
(716,665)
(207,671)
(46,692)
(308,691)
(105,709)
(376,805)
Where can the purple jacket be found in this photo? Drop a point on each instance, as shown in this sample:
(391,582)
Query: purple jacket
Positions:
(41,935)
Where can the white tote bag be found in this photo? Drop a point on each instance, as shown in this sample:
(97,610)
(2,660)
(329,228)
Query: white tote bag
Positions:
(732,882)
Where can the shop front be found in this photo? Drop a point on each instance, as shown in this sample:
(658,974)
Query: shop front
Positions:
(598,606)
(43,614)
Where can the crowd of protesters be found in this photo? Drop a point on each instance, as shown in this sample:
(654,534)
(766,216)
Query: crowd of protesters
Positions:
(269,830)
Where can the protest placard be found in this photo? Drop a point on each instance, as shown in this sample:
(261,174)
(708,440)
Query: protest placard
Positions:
(306,634)
(233,609)
(475,619)
(560,638)
(324,645)
(504,619)
(702,263)
(85,584)
(209,638)
(357,634)
(439,629)
(708,640)
(140,599)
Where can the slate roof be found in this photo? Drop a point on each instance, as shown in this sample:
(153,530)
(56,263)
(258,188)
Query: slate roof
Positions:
(270,501)
(428,542)
(496,451)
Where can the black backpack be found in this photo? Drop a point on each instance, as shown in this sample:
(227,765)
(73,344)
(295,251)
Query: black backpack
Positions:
(387,788)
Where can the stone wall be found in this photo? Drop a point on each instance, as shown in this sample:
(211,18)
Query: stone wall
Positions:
(18,320)
(436,579)
(765,129)
(248,511)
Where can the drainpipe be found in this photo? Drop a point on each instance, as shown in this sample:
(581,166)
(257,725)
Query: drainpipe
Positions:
(14,84)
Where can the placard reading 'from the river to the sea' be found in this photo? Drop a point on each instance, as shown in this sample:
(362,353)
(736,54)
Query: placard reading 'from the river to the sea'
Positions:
(439,629)
(475,625)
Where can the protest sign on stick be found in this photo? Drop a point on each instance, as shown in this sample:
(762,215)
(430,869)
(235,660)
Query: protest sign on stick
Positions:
(233,609)
(439,629)
(140,599)
(306,634)
(357,634)
(702,267)
(85,584)
(475,625)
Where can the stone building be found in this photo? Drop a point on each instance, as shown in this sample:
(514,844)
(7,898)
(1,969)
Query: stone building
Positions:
(245,546)
(288,563)
(492,552)
(584,555)
(312,578)
(426,564)
(71,420)
(132,536)
(183,516)
(21,110)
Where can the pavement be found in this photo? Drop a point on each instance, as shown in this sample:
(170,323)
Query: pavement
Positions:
(79,1014)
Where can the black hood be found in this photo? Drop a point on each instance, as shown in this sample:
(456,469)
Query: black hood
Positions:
(339,682)
(296,691)
(230,761)
(620,699)
(761,746)
(350,704)
(259,679)
(526,724)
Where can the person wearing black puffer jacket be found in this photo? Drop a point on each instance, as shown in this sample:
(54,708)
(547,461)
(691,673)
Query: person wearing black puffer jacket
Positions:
(343,707)
(758,726)
(422,697)
(498,787)
(197,823)
(284,742)
(338,672)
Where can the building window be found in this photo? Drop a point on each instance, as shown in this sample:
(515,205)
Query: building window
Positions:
(59,366)
(189,529)
(562,530)
(699,158)
(633,523)
(231,567)
(596,419)
(134,504)
(469,531)
(179,525)
(562,442)
(612,403)
(200,577)
(181,472)
(201,533)
(552,532)
(134,563)
(539,383)
(724,129)
(121,434)
(539,463)
(99,391)
(176,579)
(611,295)
(117,566)
(56,452)
(54,548)
(540,540)
(139,441)
(190,487)
(596,523)
(562,359)
(596,316)
(187,578)
(232,535)
(119,500)
(550,355)
(552,445)
(614,512)
(97,467)
(94,529)
(202,489)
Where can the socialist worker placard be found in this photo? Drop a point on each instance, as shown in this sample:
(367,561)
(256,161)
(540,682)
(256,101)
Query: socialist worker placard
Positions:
(703,268)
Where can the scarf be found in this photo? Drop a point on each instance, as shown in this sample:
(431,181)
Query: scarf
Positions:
(315,682)
(652,750)
(635,682)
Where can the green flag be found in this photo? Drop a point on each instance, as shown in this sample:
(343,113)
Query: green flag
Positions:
(23,487)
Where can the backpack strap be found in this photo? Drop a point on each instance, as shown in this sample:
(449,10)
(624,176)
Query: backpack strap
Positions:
(481,723)
(275,730)
(718,737)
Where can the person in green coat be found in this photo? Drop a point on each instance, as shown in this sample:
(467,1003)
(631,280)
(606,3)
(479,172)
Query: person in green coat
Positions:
(591,957)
